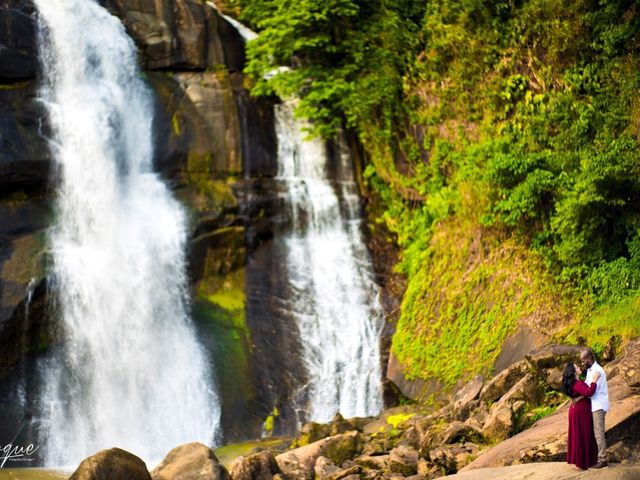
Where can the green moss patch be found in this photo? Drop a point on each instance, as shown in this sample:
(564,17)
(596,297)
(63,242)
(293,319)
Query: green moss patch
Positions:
(467,291)
(620,321)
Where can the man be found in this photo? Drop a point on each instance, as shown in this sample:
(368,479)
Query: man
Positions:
(599,403)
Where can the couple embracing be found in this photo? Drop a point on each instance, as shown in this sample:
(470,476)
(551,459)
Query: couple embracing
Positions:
(586,445)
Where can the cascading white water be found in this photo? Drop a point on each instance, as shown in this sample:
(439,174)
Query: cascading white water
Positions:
(132,373)
(334,298)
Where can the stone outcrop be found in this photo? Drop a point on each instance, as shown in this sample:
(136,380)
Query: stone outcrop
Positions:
(452,458)
(629,365)
(501,383)
(549,471)
(403,460)
(463,399)
(257,466)
(299,463)
(112,463)
(194,461)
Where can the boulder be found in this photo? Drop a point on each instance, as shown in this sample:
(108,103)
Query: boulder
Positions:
(312,432)
(458,432)
(403,460)
(374,462)
(502,383)
(452,458)
(629,365)
(478,416)
(351,473)
(526,389)
(257,466)
(299,463)
(551,356)
(424,467)
(111,464)
(464,397)
(411,437)
(340,425)
(503,415)
(499,423)
(610,349)
(324,468)
(553,378)
(193,461)
(623,452)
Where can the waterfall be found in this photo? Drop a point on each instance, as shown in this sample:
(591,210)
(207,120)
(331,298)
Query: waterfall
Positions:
(131,373)
(333,296)
(332,293)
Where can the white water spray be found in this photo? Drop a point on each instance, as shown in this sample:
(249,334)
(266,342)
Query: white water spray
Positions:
(334,298)
(132,373)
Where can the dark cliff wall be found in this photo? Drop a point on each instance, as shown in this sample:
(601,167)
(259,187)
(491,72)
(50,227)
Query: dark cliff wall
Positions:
(214,145)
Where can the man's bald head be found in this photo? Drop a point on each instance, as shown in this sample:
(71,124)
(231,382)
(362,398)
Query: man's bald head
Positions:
(587,358)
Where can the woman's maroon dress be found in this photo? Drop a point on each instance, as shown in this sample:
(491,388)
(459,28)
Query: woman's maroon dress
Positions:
(582,450)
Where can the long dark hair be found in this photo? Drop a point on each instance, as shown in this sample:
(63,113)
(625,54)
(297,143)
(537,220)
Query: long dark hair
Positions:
(568,379)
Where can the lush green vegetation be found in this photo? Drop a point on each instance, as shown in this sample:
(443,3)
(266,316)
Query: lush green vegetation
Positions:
(503,143)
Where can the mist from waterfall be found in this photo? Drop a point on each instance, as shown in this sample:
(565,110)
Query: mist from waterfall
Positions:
(131,372)
(333,296)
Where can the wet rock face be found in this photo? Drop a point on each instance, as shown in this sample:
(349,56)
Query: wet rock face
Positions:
(180,34)
(18,49)
(25,161)
(207,125)
(25,169)
(208,133)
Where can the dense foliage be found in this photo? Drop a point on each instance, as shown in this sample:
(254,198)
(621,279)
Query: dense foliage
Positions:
(514,118)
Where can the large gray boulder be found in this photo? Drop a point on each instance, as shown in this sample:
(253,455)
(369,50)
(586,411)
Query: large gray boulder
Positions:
(111,464)
(299,463)
(192,461)
(257,466)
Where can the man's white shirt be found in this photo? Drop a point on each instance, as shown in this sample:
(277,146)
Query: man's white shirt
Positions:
(600,399)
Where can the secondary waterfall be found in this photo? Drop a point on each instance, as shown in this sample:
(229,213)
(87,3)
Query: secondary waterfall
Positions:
(131,373)
(333,296)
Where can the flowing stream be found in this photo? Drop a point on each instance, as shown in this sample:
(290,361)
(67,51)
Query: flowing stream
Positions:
(333,296)
(132,373)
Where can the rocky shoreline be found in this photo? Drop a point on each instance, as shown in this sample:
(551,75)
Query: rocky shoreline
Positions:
(516,417)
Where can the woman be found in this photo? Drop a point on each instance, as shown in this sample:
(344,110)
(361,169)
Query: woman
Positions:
(582,451)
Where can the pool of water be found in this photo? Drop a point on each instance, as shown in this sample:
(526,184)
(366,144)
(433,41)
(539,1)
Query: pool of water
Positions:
(32,474)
